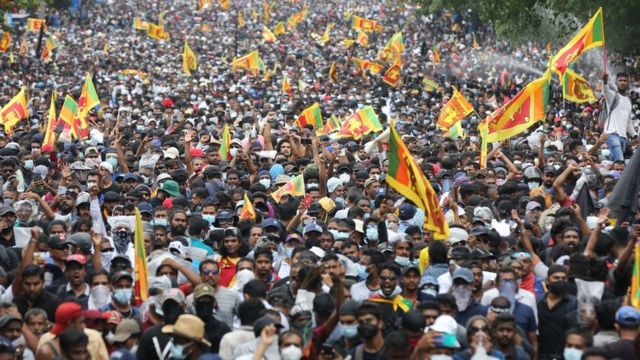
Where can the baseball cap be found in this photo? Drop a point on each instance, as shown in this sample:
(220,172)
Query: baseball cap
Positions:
(56,241)
(270,222)
(479,230)
(80,259)
(311,227)
(445,324)
(464,274)
(203,289)
(456,235)
(406,211)
(550,170)
(7,318)
(409,267)
(82,240)
(628,316)
(65,314)
(5,209)
(264,321)
(533,205)
(125,329)
(120,275)
(169,294)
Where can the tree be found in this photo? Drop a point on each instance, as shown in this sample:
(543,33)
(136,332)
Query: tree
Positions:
(519,21)
(14,5)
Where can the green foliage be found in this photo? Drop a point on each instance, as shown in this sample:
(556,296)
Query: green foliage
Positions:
(6,5)
(60,4)
(519,21)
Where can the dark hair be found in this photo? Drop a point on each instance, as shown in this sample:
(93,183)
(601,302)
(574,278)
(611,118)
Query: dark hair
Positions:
(263,251)
(396,341)
(330,257)
(622,74)
(245,259)
(583,333)
(205,262)
(98,272)
(255,289)
(447,300)
(505,270)
(250,310)
(428,305)
(57,222)
(324,305)
(503,319)
(375,255)
(32,270)
(368,308)
(72,338)
(288,333)
(391,267)
(438,253)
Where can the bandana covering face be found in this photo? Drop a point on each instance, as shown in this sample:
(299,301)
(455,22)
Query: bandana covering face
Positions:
(121,240)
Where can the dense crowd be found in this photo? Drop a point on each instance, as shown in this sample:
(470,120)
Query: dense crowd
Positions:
(532,267)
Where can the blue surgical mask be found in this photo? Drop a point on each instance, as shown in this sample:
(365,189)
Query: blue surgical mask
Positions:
(113,162)
(210,218)
(572,354)
(122,296)
(349,331)
(334,233)
(177,352)
(342,235)
(339,200)
(532,185)
(402,260)
(28,164)
(446,184)
(362,271)
(289,251)
(161,222)
(372,233)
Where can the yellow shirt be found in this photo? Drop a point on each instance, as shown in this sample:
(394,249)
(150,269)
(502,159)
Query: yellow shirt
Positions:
(96,347)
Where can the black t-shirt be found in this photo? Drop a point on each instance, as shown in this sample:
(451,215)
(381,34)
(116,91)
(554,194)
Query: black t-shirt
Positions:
(621,349)
(146,347)
(46,301)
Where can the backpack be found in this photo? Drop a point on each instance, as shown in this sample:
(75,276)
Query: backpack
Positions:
(605,113)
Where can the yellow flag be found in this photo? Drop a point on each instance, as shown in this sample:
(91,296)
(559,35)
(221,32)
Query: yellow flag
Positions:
(267,35)
(189,60)
(267,75)
(347,43)
(333,76)
(279,30)
(286,87)
(241,22)
(362,39)
(224,4)
(475,42)
(454,110)
(325,36)
(5,41)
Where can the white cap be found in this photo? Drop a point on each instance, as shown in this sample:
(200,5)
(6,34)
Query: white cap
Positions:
(106,165)
(171,153)
(444,324)
(163,176)
(456,235)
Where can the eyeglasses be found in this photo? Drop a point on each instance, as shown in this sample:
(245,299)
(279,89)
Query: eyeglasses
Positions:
(475,329)
(210,272)
(106,250)
(388,278)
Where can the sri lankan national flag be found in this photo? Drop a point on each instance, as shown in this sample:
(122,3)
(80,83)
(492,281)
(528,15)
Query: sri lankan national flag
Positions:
(14,111)
(392,51)
(635,278)
(332,125)
(189,60)
(310,116)
(49,45)
(456,131)
(397,302)
(325,36)
(69,111)
(224,4)
(294,187)
(241,22)
(404,176)
(49,131)
(140,24)
(575,88)
(87,101)
(590,36)
(525,109)
(267,35)
(250,62)
(279,30)
(362,39)
(141,278)
(347,43)
(483,130)
(360,23)
(5,42)
(362,122)
(35,24)
(225,144)
(367,65)
(156,32)
(436,55)
(286,86)
(392,75)
(248,212)
(333,76)
(456,109)
(296,19)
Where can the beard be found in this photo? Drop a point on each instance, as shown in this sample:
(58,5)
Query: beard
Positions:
(178,230)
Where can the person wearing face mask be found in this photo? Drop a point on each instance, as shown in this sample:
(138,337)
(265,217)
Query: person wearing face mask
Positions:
(122,295)
(204,297)
(367,270)
(122,236)
(576,342)
(391,303)
(553,308)
(125,340)
(188,341)
(462,289)
(370,325)
(154,343)
(11,329)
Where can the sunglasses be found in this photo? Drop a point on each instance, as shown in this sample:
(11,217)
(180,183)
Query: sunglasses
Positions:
(210,272)
(475,329)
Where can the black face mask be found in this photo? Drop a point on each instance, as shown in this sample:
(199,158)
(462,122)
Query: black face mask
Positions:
(367,331)
(171,311)
(204,309)
(177,230)
(558,288)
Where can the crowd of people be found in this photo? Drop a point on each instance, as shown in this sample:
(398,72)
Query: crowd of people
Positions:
(532,266)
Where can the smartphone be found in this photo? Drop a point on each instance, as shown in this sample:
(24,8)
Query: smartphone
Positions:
(307,200)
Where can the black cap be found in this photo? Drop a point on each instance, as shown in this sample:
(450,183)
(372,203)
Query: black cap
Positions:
(550,170)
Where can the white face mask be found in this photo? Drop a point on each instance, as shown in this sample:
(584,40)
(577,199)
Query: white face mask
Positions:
(345,178)
(572,354)
(265,182)
(100,296)
(441,357)
(233,152)
(291,352)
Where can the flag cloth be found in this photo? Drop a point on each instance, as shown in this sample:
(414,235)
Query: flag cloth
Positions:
(456,131)
(11,58)
(46,52)
(332,125)
(224,4)
(87,101)
(279,30)
(325,36)
(14,111)
(362,39)
(392,51)
(310,116)
(456,109)
(294,187)
(5,42)
(36,24)
(429,85)
(525,109)
(140,287)
(360,23)
(475,44)
(296,19)
(635,278)
(286,87)
(267,35)
(49,134)
(436,55)
(241,22)
(69,111)
(482,129)
(347,43)
(590,36)
(362,122)
(392,75)
(623,200)
(248,212)
(367,65)
(333,76)
(225,144)
(156,32)
(398,302)
(301,85)
(267,75)
(249,62)
(405,177)
(189,60)
(575,88)
(140,24)
(370,119)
